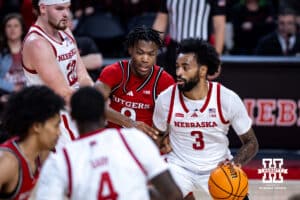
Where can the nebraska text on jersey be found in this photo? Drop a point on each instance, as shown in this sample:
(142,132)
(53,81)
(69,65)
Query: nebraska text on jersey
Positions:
(67,56)
(195,124)
(130,104)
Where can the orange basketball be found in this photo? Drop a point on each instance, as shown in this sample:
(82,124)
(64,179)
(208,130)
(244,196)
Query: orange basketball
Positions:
(228,182)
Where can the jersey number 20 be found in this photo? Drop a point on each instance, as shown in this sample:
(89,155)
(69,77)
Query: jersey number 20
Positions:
(105,182)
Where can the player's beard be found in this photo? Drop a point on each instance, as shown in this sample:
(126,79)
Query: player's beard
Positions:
(189,85)
(58,26)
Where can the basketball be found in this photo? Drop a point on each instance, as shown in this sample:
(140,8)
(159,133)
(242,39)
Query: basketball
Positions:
(228,182)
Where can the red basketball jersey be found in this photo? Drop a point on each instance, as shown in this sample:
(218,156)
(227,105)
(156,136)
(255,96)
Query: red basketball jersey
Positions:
(131,95)
(26,180)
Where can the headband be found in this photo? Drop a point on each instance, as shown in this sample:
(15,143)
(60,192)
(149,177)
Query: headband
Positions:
(52,2)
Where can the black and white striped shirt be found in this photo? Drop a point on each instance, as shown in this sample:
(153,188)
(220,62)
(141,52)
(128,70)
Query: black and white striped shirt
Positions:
(191,18)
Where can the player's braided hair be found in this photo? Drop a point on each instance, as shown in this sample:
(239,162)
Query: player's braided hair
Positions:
(205,53)
(143,33)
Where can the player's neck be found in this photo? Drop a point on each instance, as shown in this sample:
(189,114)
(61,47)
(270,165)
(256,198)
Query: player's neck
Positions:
(199,92)
(29,148)
(89,127)
(48,29)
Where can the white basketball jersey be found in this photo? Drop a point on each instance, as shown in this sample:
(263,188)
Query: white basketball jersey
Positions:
(108,164)
(65,53)
(198,137)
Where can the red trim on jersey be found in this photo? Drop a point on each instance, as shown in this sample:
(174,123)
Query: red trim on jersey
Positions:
(202,109)
(69,36)
(32,71)
(26,178)
(171,104)
(50,37)
(219,104)
(69,192)
(131,153)
(210,85)
(182,102)
(190,194)
(66,124)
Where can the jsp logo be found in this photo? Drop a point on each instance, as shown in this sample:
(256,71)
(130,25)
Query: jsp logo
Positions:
(272,170)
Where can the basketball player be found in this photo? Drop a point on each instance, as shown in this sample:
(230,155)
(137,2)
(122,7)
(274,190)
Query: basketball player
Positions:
(133,85)
(104,163)
(32,115)
(50,57)
(197,114)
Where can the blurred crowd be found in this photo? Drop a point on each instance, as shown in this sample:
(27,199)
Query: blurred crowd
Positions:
(248,22)
(251,27)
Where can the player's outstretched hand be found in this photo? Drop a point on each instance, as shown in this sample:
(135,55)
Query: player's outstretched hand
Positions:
(150,131)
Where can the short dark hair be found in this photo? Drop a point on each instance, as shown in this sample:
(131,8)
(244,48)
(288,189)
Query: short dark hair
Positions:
(87,105)
(205,53)
(35,6)
(143,33)
(35,104)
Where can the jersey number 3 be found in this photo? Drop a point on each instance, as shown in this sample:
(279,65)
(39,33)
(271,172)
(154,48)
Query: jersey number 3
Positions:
(199,142)
(110,193)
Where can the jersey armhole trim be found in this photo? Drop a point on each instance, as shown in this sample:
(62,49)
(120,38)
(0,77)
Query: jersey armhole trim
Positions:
(17,189)
(171,104)
(66,125)
(158,75)
(219,104)
(119,85)
(69,169)
(131,153)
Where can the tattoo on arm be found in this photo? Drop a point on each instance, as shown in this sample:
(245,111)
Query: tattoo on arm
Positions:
(249,148)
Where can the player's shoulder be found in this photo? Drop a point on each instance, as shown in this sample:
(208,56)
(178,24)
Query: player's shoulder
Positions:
(167,92)
(8,161)
(227,93)
(115,67)
(36,42)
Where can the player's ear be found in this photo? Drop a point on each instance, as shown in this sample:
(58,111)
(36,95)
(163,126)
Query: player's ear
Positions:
(42,8)
(36,127)
(203,70)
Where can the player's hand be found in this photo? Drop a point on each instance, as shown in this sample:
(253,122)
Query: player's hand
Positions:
(150,131)
(228,162)
(165,146)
